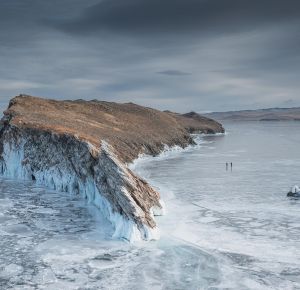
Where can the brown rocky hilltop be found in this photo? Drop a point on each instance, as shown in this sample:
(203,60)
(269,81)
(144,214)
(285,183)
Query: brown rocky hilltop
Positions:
(129,128)
(84,146)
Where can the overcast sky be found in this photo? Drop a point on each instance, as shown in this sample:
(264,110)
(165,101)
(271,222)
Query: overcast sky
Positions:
(182,55)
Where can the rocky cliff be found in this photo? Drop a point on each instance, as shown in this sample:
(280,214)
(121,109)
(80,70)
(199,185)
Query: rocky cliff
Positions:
(83,147)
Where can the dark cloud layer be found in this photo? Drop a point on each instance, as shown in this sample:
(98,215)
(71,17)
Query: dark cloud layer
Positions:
(179,16)
(171,54)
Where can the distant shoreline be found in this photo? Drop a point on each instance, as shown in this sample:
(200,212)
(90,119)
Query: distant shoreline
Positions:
(272,114)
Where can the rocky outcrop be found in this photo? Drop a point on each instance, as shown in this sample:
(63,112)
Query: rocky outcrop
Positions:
(195,123)
(82,147)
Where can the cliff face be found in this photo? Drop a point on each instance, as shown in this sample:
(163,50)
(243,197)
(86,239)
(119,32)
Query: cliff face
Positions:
(83,147)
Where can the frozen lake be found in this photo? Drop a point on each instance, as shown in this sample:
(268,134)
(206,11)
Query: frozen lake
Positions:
(224,229)
(243,218)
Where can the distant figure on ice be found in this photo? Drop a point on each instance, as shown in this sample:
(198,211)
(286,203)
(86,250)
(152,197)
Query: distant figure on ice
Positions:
(231,165)
(226,166)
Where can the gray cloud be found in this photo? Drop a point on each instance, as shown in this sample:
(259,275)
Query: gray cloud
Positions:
(173,72)
(175,16)
(172,54)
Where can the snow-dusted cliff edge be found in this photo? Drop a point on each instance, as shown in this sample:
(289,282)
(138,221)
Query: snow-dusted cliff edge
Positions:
(67,164)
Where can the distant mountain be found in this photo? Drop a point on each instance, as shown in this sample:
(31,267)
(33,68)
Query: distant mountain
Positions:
(272,114)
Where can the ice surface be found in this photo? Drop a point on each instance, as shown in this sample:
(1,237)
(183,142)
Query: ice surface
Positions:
(241,217)
(68,246)
(226,230)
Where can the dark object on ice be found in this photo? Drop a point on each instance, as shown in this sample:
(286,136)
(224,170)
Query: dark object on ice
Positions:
(291,194)
(231,165)
(226,166)
(294,192)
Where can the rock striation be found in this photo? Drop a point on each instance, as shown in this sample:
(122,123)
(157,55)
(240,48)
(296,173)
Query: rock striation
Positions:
(83,147)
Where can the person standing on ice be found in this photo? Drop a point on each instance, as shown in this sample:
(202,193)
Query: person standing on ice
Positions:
(231,165)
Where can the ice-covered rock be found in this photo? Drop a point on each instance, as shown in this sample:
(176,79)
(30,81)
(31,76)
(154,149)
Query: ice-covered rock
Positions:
(66,163)
(83,147)
(295,191)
